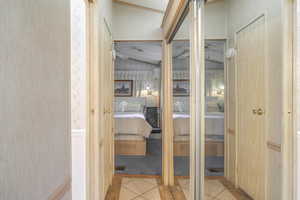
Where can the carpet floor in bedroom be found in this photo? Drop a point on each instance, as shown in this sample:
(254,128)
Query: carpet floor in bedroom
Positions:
(151,163)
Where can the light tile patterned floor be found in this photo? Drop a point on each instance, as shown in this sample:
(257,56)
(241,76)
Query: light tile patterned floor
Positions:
(141,188)
(185,187)
(214,189)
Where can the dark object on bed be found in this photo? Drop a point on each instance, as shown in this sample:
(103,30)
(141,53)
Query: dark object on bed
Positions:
(153,116)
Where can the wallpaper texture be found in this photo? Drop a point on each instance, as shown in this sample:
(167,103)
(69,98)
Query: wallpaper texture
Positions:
(78,58)
(35,98)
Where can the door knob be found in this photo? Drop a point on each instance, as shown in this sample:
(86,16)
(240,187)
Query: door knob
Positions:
(254,111)
(260,111)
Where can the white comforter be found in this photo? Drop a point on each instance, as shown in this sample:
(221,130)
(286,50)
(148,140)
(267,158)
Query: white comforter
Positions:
(181,124)
(130,115)
(132,124)
(214,124)
(176,116)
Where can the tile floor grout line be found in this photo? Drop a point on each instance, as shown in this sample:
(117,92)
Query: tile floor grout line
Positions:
(155,185)
(146,192)
(130,190)
(217,195)
(136,192)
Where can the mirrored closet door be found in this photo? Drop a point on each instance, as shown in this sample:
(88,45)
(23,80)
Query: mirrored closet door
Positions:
(181,107)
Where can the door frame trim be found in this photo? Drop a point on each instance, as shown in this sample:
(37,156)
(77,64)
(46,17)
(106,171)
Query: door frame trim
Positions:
(167,110)
(92,150)
(289,143)
(296,99)
(95,23)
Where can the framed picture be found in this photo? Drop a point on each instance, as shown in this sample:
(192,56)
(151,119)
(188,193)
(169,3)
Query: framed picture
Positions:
(123,88)
(181,87)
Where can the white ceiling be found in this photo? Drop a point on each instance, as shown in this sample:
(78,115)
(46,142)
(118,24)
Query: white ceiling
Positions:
(151,52)
(154,4)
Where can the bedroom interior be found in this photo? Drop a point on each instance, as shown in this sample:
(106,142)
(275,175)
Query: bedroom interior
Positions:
(137,108)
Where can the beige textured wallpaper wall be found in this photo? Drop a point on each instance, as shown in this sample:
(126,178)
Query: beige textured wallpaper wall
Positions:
(34,98)
(78,64)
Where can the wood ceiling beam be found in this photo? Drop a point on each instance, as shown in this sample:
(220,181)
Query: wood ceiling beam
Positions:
(138,6)
(172,15)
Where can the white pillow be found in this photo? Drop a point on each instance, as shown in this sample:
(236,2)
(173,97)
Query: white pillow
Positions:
(178,106)
(122,106)
(132,107)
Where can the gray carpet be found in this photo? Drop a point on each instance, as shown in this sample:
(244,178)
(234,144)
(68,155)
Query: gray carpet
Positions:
(151,163)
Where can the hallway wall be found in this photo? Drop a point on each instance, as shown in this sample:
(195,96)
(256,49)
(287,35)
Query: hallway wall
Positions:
(131,23)
(105,11)
(215,22)
(78,64)
(35,99)
(240,13)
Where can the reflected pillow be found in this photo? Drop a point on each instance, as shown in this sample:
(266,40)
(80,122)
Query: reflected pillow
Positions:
(131,107)
(178,107)
(120,106)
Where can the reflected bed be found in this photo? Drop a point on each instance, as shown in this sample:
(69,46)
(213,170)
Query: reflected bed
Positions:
(131,127)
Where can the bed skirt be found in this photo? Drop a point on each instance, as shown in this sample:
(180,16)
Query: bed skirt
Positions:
(212,148)
(130,147)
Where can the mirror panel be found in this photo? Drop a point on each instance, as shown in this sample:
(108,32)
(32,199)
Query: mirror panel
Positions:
(181,106)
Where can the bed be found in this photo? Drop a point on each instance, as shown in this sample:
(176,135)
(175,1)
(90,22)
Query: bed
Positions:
(214,130)
(131,127)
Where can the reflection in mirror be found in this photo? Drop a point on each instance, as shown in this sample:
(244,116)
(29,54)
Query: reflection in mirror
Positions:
(214,110)
(214,117)
(137,125)
(214,107)
(181,107)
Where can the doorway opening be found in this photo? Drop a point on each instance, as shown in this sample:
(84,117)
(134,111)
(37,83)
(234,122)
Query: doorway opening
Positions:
(137,90)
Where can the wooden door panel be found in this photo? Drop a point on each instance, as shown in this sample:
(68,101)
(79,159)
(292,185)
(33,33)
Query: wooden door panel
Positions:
(251,91)
(106,91)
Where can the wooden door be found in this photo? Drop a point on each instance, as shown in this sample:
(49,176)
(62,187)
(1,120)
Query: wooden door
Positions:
(251,108)
(107,94)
